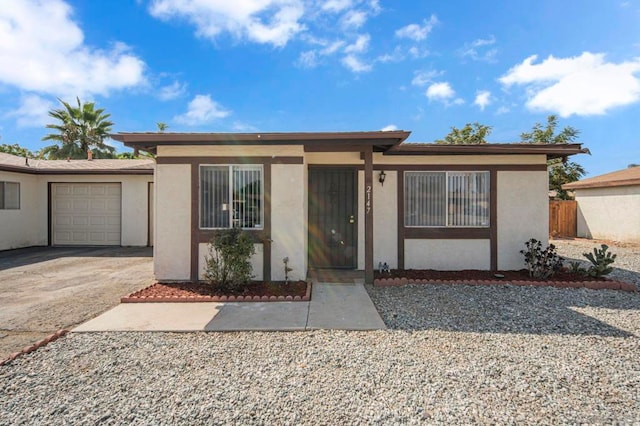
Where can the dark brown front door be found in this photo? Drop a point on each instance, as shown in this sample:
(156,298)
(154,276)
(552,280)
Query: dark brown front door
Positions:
(333,213)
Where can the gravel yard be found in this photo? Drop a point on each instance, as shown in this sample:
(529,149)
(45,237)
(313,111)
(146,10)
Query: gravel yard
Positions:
(453,354)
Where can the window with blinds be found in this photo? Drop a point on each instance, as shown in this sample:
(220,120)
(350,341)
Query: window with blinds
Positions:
(231,196)
(9,195)
(446,199)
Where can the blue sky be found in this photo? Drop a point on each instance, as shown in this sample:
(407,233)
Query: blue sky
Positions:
(329,65)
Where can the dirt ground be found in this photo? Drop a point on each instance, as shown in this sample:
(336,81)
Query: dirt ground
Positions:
(45,289)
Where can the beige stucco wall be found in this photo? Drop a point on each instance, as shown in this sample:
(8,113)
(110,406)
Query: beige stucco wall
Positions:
(172,250)
(378,158)
(385,220)
(23,227)
(609,213)
(230,151)
(256,260)
(288,220)
(333,158)
(29,225)
(523,213)
(447,255)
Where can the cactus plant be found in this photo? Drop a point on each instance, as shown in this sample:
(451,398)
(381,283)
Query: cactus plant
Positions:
(600,260)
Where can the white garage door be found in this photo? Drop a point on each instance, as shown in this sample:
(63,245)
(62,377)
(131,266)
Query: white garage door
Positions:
(86,213)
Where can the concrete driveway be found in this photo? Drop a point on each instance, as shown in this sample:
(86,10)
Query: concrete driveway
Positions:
(45,289)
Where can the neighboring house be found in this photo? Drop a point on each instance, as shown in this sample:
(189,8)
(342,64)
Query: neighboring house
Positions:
(346,200)
(609,205)
(75,202)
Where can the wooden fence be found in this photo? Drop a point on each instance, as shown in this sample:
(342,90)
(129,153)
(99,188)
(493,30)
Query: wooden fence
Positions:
(563,218)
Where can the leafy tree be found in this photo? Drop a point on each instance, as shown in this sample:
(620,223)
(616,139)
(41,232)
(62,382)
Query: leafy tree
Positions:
(79,129)
(16,149)
(548,133)
(470,134)
(162,126)
(560,172)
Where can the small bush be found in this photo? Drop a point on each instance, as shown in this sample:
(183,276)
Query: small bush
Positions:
(576,268)
(600,260)
(228,266)
(541,264)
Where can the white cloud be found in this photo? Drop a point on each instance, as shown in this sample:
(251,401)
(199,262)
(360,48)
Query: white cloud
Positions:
(417,32)
(354,19)
(480,50)
(332,47)
(202,110)
(33,111)
(354,64)
(502,110)
(272,22)
(422,78)
(444,93)
(308,59)
(336,5)
(171,91)
(360,45)
(389,128)
(580,85)
(483,99)
(42,50)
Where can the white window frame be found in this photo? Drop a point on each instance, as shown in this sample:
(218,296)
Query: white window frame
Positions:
(230,209)
(3,206)
(446,194)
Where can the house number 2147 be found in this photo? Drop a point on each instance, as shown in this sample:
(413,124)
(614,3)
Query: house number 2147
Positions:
(368,199)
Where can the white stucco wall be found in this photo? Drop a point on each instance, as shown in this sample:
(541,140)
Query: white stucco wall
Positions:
(447,255)
(385,219)
(23,227)
(256,260)
(172,250)
(609,213)
(29,225)
(523,213)
(288,220)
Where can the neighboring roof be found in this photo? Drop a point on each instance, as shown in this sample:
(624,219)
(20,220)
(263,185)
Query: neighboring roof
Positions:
(626,177)
(13,163)
(550,150)
(388,142)
(149,141)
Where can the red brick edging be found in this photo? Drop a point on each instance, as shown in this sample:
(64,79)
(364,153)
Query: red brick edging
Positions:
(41,343)
(594,285)
(182,299)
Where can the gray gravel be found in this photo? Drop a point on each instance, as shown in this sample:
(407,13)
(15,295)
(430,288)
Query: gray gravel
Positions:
(626,266)
(453,354)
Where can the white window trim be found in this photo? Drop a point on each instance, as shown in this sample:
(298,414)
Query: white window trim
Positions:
(446,191)
(230,170)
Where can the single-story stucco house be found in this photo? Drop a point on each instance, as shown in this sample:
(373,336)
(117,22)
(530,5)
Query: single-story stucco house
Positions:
(346,200)
(75,202)
(609,205)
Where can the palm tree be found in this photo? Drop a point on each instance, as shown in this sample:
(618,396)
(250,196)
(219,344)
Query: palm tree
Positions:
(79,129)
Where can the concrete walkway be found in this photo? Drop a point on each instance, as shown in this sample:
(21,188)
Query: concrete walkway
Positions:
(332,306)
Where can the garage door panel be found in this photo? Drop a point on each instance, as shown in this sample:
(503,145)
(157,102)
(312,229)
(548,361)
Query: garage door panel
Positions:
(86,214)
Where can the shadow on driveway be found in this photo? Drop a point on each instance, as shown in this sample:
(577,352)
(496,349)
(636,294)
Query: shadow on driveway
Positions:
(32,255)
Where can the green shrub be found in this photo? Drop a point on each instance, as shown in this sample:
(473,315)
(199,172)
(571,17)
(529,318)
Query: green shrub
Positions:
(228,266)
(600,260)
(541,264)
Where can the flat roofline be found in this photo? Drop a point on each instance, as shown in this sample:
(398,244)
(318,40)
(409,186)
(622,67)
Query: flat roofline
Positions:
(550,150)
(45,171)
(149,141)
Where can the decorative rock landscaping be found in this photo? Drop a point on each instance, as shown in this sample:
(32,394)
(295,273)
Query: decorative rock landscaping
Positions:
(594,285)
(188,292)
(35,346)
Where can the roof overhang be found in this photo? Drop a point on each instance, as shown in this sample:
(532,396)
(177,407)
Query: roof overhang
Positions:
(551,151)
(45,171)
(379,140)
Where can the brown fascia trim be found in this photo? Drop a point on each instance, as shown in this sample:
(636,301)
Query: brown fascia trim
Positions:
(7,168)
(150,141)
(550,150)
(609,184)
